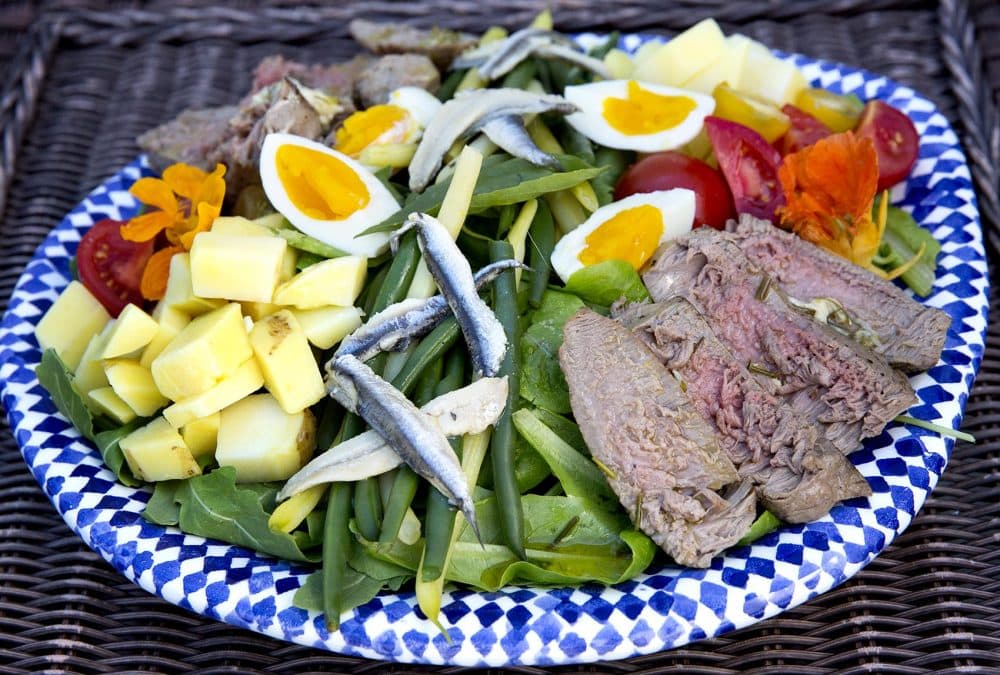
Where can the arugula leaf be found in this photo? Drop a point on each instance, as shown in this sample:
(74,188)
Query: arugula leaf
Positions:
(358,590)
(542,380)
(213,505)
(163,507)
(114,458)
(604,283)
(502,181)
(57,379)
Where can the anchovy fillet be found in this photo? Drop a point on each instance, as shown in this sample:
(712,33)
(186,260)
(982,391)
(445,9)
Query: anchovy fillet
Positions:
(468,113)
(411,433)
(468,410)
(483,332)
(395,327)
(509,134)
(499,58)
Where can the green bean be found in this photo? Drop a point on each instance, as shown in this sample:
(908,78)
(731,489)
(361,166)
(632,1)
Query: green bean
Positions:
(559,76)
(401,271)
(521,75)
(368,508)
(367,299)
(502,443)
(614,162)
(336,550)
(437,342)
(542,239)
(450,84)
(508,212)
(330,418)
(601,51)
(577,144)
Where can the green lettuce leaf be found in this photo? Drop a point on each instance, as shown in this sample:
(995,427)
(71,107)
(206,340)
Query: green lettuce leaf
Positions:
(213,505)
(542,380)
(606,282)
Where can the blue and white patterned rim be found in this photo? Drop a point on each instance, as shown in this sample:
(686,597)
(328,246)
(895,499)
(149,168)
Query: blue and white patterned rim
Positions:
(662,609)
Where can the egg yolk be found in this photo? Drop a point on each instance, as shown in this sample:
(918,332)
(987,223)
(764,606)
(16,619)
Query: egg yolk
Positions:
(631,235)
(320,185)
(365,126)
(644,112)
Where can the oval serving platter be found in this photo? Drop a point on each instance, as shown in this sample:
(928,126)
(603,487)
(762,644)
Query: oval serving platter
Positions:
(664,608)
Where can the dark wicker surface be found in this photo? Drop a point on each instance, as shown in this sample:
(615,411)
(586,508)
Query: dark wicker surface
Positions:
(931,602)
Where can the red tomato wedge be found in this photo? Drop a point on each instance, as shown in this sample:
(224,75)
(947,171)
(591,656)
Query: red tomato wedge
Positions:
(750,165)
(805,130)
(111,267)
(667,170)
(896,141)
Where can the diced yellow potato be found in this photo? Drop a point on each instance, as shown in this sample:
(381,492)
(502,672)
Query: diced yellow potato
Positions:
(134,385)
(180,295)
(682,57)
(104,401)
(769,77)
(728,69)
(200,435)
(157,452)
(646,51)
(169,322)
(258,228)
(241,226)
(133,330)
(74,318)
(290,371)
(89,373)
(262,441)
(326,326)
(337,281)
(244,381)
(619,64)
(258,310)
(207,350)
(236,267)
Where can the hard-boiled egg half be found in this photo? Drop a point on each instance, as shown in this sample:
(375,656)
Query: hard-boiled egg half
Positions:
(630,229)
(325,193)
(632,115)
(398,122)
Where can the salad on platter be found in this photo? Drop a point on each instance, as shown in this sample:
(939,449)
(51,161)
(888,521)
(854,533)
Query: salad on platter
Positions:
(502,310)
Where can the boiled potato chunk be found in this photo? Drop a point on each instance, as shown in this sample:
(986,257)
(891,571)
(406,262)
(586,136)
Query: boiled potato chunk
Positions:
(326,326)
(201,435)
(207,350)
(180,294)
(258,310)
(337,281)
(728,69)
(105,401)
(169,322)
(157,452)
(73,319)
(769,77)
(134,385)
(236,267)
(262,441)
(89,374)
(244,381)
(678,60)
(133,330)
(290,371)
(256,228)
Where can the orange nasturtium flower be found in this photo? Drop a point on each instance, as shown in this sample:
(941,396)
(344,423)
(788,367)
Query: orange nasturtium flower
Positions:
(185,201)
(829,189)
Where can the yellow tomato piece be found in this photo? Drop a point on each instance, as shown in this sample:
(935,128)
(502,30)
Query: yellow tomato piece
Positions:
(840,113)
(751,111)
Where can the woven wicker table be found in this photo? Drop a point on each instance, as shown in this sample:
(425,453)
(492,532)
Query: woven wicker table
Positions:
(76,95)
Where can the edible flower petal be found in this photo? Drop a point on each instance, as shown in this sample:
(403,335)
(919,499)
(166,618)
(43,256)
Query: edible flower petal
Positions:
(154,276)
(829,188)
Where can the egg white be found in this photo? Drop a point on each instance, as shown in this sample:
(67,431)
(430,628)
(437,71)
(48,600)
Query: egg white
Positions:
(676,207)
(591,123)
(419,103)
(341,234)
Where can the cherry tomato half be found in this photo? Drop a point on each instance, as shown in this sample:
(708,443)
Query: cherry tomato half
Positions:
(750,165)
(895,138)
(111,267)
(805,130)
(667,170)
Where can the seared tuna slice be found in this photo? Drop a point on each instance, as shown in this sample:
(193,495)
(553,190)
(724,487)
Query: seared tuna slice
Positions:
(440,44)
(662,459)
(800,475)
(824,375)
(909,335)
